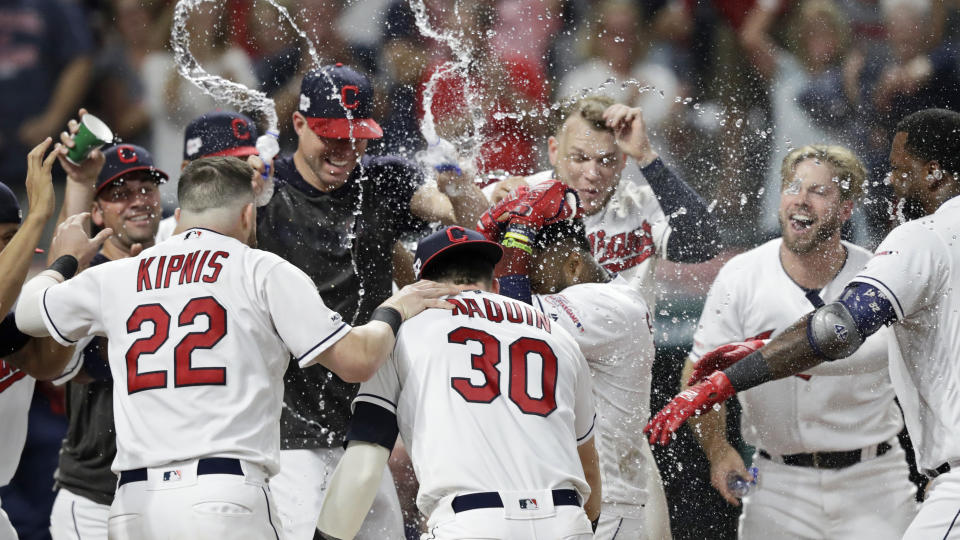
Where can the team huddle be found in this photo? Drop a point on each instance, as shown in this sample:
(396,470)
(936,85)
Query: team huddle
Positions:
(244,369)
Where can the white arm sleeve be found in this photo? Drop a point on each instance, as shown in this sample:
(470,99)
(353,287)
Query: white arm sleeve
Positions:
(586,413)
(30,308)
(352,489)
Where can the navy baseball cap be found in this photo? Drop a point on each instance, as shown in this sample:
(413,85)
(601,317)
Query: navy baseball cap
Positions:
(220,133)
(454,239)
(123,159)
(338,103)
(9,206)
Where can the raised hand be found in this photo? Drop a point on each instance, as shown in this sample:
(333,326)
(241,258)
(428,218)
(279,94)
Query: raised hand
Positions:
(87,171)
(40,181)
(545,204)
(713,390)
(723,357)
(73,238)
(630,132)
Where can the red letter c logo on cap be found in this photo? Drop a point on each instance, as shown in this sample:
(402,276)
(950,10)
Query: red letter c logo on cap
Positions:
(457,234)
(126,154)
(240,129)
(349,102)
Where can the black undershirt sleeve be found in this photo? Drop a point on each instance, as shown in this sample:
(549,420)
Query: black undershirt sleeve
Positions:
(693,239)
(372,424)
(11,338)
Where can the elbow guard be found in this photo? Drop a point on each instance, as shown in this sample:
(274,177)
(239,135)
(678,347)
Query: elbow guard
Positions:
(832,332)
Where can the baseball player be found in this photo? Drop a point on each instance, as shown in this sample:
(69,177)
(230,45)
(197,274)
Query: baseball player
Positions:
(630,224)
(910,284)
(611,324)
(18,353)
(494,403)
(830,434)
(219,133)
(126,199)
(199,331)
(336,213)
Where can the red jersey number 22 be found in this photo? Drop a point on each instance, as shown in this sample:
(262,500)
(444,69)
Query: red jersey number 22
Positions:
(184,374)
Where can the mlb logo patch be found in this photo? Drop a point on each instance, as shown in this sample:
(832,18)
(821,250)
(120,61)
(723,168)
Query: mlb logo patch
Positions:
(528,504)
(172,476)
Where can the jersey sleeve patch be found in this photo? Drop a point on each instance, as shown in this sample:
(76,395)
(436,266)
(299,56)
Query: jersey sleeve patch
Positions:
(373,423)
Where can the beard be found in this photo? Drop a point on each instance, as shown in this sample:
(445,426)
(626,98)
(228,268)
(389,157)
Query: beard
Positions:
(822,231)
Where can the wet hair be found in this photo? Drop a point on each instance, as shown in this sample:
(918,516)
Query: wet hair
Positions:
(570,231)
(933,135)
(461,268)
(848,170)
(589,108)
(214,182)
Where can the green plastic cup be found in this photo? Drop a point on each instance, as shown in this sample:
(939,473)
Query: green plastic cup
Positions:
(93,134)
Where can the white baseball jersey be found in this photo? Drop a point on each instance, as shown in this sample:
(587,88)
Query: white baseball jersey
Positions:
(612,325)
(629,234)
(200,328)
(916,268)
(16,392)
(491,396)
(842,405)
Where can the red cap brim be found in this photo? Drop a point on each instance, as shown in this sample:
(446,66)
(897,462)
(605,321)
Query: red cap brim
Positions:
(240,151)
(343,128)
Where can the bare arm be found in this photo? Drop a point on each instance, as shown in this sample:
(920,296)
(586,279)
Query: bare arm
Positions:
(352,488)
(16,257)
(755,39)
(456,200)
(710,430)
(42,358)
(82,178)
(590,461)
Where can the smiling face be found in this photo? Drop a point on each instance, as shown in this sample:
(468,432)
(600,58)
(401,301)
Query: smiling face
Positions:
(331,160)
(811,208)
(587,159)
(131,207)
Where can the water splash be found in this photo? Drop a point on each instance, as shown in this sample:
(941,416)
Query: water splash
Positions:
(217,87)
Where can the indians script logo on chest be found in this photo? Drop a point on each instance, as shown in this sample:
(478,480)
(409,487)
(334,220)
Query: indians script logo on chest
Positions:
(623,250)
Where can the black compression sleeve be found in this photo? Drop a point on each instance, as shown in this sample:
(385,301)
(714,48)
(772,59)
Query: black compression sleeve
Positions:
(693,239)
(372,424)
(752,371)
(11,338)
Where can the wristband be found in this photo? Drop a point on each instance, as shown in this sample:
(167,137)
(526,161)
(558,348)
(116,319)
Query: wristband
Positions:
(752,371)
(449,167)
(388,315)
(517,236)
(595,523)
(65,265)
(514,243)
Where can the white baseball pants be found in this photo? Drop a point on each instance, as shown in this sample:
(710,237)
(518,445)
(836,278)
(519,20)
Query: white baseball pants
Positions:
(185,506)
(939,515)
(548,522)
(872,499)
(77,518)
(300,487)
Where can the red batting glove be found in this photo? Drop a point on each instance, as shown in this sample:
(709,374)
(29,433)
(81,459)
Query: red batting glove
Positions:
(723,357)
(545,204)
(714,389)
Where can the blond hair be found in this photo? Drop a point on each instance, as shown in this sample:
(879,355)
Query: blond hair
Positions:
(849,172)
(590,108)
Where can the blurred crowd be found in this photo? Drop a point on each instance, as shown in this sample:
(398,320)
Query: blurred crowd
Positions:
(727,86)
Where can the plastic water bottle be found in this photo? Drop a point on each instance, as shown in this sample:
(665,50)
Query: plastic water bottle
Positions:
(740,486)
(268,146)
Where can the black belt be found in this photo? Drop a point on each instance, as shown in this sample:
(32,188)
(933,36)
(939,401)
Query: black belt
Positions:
(491,499)
(828,460)
(933,473)
(214,465)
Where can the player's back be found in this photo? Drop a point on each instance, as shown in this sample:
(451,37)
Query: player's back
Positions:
(196,360)
(494,397)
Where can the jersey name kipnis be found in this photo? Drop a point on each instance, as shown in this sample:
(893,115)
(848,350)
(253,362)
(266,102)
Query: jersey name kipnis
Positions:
(623,250)
(499,311)
(161,272)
